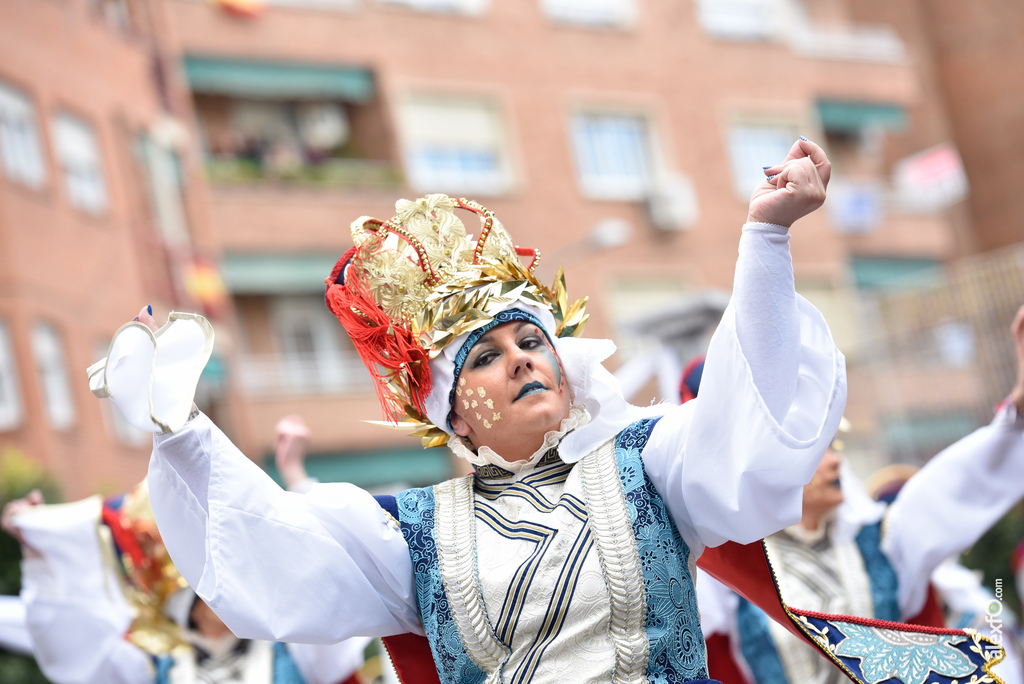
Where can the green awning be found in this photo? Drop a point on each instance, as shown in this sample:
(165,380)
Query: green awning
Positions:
(926,432)
(894,274)
(408,467)
(849,116)
(215,373)
(279,80)
(276,273)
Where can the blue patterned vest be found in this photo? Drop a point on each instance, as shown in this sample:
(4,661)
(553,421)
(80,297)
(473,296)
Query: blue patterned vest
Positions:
(756,642)
(666,618)
(285,671)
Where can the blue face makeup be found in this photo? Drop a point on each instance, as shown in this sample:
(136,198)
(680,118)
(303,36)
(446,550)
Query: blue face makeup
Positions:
(553,360)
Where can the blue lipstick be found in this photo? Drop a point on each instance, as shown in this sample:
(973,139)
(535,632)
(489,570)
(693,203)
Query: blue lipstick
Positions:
(530,388)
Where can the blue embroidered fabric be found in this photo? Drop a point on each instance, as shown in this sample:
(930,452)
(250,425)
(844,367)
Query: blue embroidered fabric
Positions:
(460,357)
(285,669)
(896,657)
(163,664)
(416,515)
(884,584)
(677,652)
(757,645)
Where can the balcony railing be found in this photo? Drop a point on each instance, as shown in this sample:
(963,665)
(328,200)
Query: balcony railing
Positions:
(332,173)
(289,374)
(786,22)
(856,42)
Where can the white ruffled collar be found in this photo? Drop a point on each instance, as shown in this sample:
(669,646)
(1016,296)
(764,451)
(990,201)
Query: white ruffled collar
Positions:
(484,456)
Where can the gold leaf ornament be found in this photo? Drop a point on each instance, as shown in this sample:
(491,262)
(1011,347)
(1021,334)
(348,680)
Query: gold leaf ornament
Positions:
(433,281)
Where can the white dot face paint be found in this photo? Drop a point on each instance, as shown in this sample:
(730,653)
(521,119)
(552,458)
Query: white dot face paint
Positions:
(462,381)
(465,403)
(469,392)
(481,391)
(496,417)
(473,405)
(458,392)
(489,403)
(487,424)
(479,417)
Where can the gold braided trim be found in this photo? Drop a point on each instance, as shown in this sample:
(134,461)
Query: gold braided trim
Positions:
(620,561)
(455,536)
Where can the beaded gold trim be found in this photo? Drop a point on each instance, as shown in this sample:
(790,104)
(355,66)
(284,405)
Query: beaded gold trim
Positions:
(455,536)
(620,561)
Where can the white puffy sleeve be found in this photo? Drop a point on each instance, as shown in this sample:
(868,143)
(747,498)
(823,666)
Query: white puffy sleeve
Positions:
(276,565)
(732,463)
(329,663)
(14,634)
(952,501)
(74,607)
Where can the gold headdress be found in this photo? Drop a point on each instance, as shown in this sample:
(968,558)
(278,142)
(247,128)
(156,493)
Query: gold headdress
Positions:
(150,578)
(414,283)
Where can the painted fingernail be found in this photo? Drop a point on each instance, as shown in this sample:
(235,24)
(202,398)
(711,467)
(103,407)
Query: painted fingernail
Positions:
(149,309)
(774,175)
(135,319)
(804,139)
(765,168)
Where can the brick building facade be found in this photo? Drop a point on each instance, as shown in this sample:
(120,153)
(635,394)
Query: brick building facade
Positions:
(622,137)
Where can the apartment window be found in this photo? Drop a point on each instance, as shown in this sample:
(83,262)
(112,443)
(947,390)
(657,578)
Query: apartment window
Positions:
(739,19)
(314,357)
(117,13)
(455,144)
(591,12)
(613,155)
(53,376)
(20,147)
(474,7)
(166,189)
(10,400)
(754,146)
(79,155)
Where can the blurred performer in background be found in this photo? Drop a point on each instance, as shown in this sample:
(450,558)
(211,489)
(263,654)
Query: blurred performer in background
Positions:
(105,605)
(853,555)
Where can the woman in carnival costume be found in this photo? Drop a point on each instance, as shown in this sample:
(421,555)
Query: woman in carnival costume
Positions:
(569,554)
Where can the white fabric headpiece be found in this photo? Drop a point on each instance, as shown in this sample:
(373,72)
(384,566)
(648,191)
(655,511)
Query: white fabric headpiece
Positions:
(591,384)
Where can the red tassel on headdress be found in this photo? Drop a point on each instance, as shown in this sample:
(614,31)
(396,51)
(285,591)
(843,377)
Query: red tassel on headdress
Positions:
(139,566)
(388,349)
